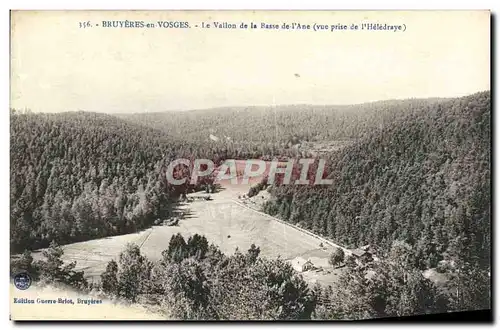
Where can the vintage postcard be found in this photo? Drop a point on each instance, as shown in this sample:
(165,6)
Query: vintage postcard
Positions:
(249,165)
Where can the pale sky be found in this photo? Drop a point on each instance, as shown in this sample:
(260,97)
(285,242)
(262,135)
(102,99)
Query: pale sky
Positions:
(57,66)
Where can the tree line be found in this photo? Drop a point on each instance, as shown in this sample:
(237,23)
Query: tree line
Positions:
(281,131)
(194,280)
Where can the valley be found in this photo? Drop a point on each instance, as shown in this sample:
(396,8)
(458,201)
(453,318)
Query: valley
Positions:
(224,221)
(93,207)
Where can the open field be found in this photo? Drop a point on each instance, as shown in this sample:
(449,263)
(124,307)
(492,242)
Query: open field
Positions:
(223,221)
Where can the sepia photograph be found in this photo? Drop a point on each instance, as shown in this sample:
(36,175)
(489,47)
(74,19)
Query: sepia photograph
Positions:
(250,165)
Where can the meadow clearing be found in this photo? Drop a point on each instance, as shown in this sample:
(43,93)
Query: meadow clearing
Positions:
(225,222)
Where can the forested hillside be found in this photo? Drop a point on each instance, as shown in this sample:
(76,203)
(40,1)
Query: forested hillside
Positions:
(253,132)
(77,176)
(423,179)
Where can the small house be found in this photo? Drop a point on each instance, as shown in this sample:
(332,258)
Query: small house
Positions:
(308,266)
(370,249)
(362,256)
(365,247)
(302,265)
